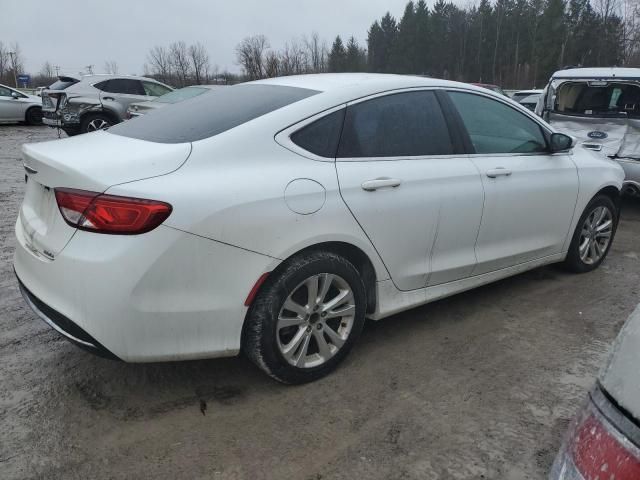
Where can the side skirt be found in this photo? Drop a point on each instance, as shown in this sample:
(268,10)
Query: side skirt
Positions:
(392,301)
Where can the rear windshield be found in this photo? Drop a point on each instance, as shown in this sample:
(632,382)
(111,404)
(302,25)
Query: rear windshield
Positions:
(62,83)
(181,94)
(598,98)
(208,115)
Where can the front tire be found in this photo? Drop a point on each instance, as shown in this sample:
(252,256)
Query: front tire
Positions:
(306,318)
(593,235)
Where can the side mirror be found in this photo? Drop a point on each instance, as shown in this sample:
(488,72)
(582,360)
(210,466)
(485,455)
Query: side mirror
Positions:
(15,96)
(559,142)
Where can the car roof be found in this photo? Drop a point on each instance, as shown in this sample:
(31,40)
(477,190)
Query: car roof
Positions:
(601,72)
(364,83)
(108,76)
(529,92)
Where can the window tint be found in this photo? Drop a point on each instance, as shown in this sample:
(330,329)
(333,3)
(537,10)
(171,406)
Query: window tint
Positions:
(497,128)
(322,136)
(397,125)
(124,85)
(153,89)
(101,85)
(5,92)
(208,115)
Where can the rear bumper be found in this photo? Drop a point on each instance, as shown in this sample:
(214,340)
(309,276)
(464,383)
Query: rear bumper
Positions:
(164,295)
(63,325)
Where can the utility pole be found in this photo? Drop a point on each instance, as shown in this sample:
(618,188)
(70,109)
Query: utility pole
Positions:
(89,69)
(13,64)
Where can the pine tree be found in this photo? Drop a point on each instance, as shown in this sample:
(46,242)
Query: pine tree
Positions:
(338,56)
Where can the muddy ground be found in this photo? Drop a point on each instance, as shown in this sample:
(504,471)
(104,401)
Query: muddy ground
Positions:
(478,386)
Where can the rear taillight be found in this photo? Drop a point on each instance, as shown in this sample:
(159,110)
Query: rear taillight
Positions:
(595,449)
(100,213)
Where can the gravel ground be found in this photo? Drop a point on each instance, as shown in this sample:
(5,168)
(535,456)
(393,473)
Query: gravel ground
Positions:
(478,386)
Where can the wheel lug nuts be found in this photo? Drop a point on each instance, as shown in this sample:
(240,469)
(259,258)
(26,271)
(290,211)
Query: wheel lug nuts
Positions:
(323,314)
(308,329)
(319,326)
(315,308)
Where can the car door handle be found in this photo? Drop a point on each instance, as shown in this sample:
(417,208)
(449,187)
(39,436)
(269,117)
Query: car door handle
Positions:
(498,172)
(108,98)
(383,182)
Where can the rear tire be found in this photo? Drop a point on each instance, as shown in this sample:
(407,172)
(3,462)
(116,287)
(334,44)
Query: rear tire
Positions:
(93,122)
(34,116)
(593,236)
(306,317)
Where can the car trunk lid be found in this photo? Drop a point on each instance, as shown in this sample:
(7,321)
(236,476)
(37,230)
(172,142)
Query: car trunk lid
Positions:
(92,162)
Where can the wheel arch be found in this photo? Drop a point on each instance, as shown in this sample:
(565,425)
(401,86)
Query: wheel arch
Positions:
(611,191)
(353,254)
(32,107)
(101,111)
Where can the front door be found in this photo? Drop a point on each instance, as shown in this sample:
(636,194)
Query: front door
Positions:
(530,194)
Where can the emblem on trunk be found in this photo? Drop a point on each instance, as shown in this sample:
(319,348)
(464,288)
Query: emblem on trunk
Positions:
(597,134)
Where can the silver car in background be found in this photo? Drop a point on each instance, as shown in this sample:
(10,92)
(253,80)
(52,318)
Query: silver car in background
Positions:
(95,102)
(16,106)
(601,107)
(176,96)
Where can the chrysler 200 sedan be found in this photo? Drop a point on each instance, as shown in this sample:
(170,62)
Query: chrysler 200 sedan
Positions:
(272,217)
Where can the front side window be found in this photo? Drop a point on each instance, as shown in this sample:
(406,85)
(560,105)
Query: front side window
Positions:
(497,128)
(396,125)
(153,89)
(5,92)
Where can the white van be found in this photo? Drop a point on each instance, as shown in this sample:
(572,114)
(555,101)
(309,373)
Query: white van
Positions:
(601,107)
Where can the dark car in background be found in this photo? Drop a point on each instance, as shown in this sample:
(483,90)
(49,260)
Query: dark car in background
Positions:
(95,102)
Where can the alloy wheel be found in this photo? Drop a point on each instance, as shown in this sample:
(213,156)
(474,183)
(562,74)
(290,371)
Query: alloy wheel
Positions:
(97,124)
(595,235)
(315,320)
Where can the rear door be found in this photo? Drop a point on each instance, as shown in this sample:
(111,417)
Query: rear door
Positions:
(416,196)
(117,94)
(530,194)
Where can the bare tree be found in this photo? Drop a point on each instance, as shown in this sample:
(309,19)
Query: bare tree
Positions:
(180,61)
(316,53)
(200,63)
(293,59)
(250,55)
(47,70)
(5,63)
(159,63)
(111,66)
(271,64)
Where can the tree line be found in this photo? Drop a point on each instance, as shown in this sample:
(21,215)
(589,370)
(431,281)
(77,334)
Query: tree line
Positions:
(511,43)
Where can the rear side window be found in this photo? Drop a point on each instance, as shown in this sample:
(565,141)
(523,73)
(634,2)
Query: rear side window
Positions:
(123,85)
(497,128)
(208,115)
(322,136)
(397,125)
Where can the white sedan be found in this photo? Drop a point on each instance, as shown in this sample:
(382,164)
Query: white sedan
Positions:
(272,217)
(16,106)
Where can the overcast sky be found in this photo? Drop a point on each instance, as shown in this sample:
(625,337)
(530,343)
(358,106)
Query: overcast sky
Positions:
(76,33)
